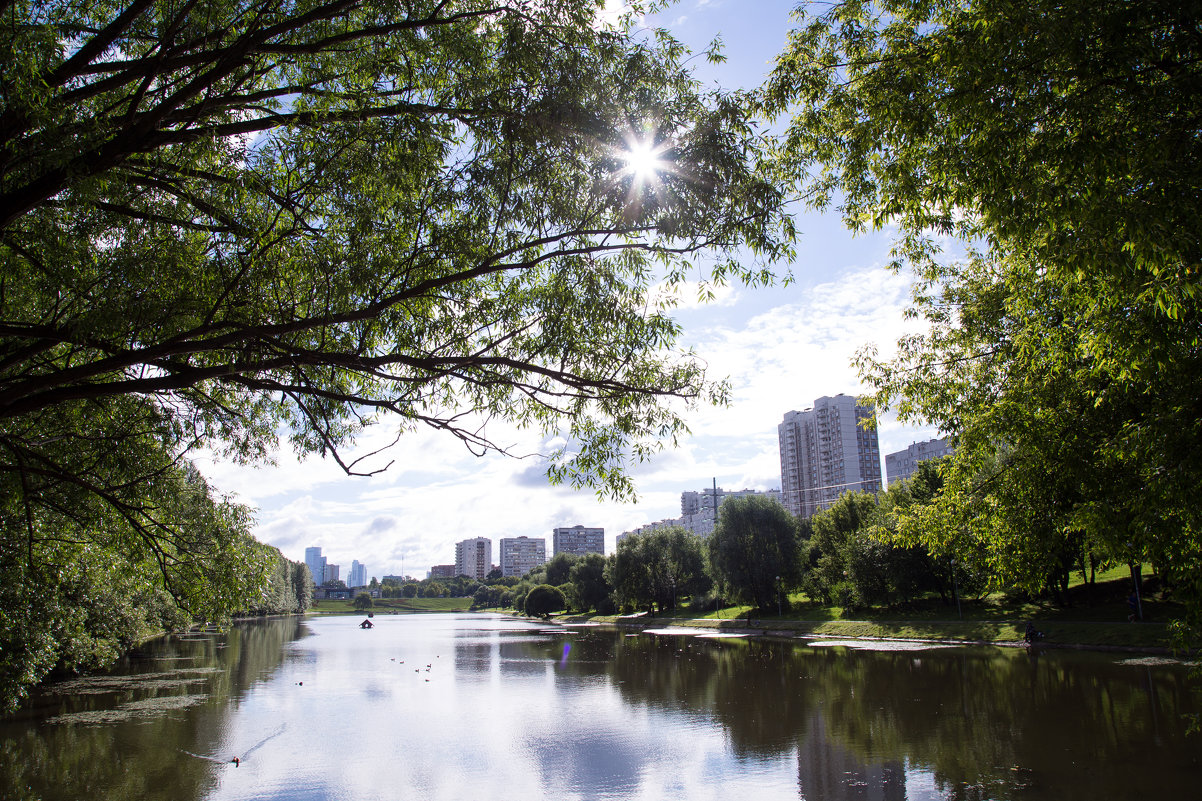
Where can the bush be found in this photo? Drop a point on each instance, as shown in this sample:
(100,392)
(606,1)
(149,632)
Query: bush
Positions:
(545,599)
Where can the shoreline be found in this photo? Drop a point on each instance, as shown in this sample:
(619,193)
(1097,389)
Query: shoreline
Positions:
(1004,634)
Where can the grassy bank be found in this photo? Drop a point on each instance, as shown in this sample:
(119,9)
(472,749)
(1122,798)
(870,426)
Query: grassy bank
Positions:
(1135,636)
(1093,616)
(385,606)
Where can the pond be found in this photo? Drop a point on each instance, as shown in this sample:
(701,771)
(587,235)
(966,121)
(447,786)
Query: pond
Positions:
(438,707)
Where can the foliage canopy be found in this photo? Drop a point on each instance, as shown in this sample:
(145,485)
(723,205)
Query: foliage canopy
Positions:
(1058,144)
(755,550)
(544,599)
(655,569)
(222,223)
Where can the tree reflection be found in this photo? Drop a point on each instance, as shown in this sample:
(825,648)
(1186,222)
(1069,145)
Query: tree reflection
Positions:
(87,750)
(982,723)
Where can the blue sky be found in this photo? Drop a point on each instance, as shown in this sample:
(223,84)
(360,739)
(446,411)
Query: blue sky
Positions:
(781,347)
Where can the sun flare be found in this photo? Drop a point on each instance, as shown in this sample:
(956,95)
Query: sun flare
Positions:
(643,160)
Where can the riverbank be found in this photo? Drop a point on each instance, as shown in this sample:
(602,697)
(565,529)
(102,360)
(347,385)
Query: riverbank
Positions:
(385,606)
(1092,616)
(1141,637)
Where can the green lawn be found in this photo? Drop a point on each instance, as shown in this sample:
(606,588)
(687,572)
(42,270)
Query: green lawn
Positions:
(384,606)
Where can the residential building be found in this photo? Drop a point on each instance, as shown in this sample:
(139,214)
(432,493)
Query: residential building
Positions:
(520,555)
(578,540)
(698,509)
(316,564)
(332,572)
(441,571)
(825,451)
(473,558)
(358,574)
(901,465)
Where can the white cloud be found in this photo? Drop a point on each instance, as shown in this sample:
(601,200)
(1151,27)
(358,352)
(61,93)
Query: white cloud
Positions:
(781,349)
(789,355)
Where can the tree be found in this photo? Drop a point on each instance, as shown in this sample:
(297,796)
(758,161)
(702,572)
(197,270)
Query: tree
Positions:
(833,533)
(82,585)
(281,594)
(657,568)
(1060,144)
(558,568)
(755,552)
(487,596)
(223,221)
(857,558)
(180,182)
(362,602)
(587,577)
(302,585)
(544,599)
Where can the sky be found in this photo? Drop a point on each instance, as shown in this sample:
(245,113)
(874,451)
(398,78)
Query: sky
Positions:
(781,348)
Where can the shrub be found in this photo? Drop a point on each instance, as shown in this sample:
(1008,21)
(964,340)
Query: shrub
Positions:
(545,599)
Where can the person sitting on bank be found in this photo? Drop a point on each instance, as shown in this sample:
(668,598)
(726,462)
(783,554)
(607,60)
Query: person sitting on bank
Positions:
(1032,633)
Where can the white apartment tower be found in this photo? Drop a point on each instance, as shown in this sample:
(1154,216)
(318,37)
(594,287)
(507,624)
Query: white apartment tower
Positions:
(578,540)
(520,555)
(826,451)
(473,558)
(901,465)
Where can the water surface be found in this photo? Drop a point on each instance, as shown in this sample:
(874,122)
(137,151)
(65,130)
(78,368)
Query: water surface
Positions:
(487,707)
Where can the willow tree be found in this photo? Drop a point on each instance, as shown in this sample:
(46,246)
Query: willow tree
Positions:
(225,222)
(1058,145)
(755,553)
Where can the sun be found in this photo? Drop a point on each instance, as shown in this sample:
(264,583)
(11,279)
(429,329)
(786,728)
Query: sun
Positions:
(643,160)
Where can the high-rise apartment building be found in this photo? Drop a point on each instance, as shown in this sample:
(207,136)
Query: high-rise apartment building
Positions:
(826,451)
(473,558)
(358,575)
(316,564)
(901,465)
(578,540)
(520,555)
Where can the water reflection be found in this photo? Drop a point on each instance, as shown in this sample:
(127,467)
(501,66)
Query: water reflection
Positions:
(446,706)
(123,735)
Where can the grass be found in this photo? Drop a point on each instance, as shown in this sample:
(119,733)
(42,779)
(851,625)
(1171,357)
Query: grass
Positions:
(1095,617)
(384,606)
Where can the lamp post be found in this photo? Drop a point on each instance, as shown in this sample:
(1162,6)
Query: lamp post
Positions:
(956,592)
(779,612)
